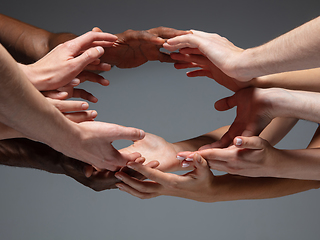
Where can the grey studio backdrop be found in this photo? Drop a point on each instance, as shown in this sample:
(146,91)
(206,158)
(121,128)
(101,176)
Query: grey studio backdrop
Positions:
(163,101)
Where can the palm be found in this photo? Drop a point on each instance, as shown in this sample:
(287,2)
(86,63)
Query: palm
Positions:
(153,147)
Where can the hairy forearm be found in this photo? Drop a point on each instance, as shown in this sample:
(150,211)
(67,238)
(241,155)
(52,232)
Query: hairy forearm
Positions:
(229,187)
(295,50)
(27,43)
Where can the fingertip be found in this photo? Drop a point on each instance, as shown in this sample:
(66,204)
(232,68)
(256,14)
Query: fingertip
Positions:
(237,141)
(142,134)
(100,50)
(94,114)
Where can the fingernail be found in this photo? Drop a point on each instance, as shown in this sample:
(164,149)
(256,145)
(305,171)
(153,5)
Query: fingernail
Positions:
(185,165)
(198,158)
(62,94)
(180,158)
(118,176)
(94,114)
(120,186)
(100,49)
(142,134)
(130,166)
(189,159)
(84,106)
(75,82)
(238,141)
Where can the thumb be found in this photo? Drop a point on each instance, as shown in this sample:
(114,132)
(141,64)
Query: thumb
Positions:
(249,142)
(96,29)
(88,57)
(225,103)
(201,165)
(129,133)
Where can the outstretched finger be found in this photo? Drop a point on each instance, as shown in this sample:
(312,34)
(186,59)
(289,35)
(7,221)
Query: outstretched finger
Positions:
(92,77)
(249,142)
(83,94)
(225,103)
(127,133)
(83,116)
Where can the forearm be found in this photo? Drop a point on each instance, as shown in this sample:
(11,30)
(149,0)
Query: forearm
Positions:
(229,187)
(21,152)
(27,43)
(295,50)
(304,80)
(194,144)
(24,108)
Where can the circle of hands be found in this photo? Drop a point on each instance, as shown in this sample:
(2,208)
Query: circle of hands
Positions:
(150,156)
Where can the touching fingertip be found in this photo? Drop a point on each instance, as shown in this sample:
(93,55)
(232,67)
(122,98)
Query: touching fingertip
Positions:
(100,49)
(185,164)
(238,141)
(180,158)
(94,114)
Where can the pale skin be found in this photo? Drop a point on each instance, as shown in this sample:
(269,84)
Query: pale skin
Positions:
(27,111)
(201,185)
(295,50)
(257,107)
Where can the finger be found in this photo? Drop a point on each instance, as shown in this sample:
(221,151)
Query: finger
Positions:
(153,164)
(183,155)
(165,32)
(103,67)
(225,103)
(68,106)
(96,29)
(92,77)
(194,51)
(165,57)
(55,94)
(199,59)
(219,165)
(202,167)
(133,156)
(184,65)
(135,193)
(86,41)
(140,185)
(78,117)
(83,94)
(152,174)
(128,133)
(199,73)
(189,41)
(87,57)
(249,142)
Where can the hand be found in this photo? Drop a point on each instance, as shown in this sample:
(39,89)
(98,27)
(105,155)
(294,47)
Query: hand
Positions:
(92,143)
(134,48)
(74,110)
(153,147)
(219,50)
(66,62)
(255,110)
(249,156)
(197,185)
(193,58)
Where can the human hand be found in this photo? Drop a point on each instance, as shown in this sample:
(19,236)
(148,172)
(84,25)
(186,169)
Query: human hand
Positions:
(134,48)
(197,184)
(194,58)
(219,50)
(249,156)
(255,110)
(153,147)
(75,111)
(67,61)
(92,143)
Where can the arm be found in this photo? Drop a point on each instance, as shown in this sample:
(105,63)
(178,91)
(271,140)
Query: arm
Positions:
(27,43)
(257,107)
(295,50)
(26,110)
(201,185)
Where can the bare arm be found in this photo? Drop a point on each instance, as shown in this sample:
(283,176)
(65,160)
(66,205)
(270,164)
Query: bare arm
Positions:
(27,43)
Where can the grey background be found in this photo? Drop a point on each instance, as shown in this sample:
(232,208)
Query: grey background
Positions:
(163,101)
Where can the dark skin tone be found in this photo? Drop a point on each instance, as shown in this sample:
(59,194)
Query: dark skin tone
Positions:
(27,43)
(22,152)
